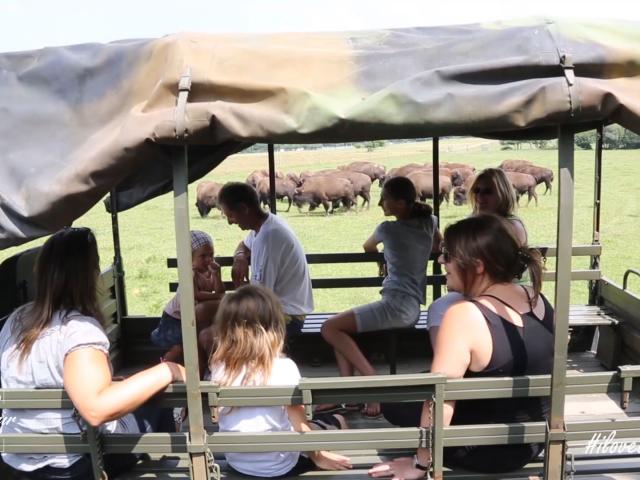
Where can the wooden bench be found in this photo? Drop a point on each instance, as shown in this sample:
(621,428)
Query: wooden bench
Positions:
(582,318)
(364,446)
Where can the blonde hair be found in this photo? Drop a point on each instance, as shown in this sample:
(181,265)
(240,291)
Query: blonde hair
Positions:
(250,331)
(505,194)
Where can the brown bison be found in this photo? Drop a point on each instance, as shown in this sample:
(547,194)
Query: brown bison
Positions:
(454,165)
(207,197)
(523,183)
(460,194)
(423,182)
(255,176)
(373,170)
(402,171)
(284,189)
(541,174)
(325,190)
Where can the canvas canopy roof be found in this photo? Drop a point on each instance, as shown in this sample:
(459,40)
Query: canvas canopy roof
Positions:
(79,121)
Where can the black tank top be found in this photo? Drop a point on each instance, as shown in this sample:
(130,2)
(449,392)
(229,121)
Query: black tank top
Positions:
(517,351)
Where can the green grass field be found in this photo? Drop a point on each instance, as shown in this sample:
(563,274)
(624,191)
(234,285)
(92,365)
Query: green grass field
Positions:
(147,231)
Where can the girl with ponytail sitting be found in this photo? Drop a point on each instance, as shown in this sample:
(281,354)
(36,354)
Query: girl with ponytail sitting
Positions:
(408,241)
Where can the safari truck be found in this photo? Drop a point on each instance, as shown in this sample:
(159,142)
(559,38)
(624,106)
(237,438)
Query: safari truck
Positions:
(135,119)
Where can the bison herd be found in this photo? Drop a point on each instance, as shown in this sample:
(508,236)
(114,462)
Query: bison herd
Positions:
(332,188)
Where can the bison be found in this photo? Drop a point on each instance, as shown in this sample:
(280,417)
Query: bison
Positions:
(541,174)
(460,193)
(207,197)
(285,188)
(454,165)
(523,183)
(324,190)
(373,170)
(423,182)
(255,176)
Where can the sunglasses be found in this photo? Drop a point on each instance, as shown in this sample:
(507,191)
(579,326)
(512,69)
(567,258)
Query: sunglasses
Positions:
(446,256)
(483,191)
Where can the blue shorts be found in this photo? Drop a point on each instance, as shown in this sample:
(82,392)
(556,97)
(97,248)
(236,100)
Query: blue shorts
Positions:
(168,332)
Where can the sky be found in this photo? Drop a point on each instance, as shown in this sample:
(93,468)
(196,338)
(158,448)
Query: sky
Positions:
(33,24)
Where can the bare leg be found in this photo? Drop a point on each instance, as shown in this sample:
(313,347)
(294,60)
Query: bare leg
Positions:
(337,331)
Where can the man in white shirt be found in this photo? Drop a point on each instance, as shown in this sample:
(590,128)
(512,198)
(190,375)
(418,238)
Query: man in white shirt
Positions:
(273,251)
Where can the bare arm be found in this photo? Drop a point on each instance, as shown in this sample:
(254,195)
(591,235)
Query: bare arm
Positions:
(240,268)
(519,230)
(371,244)
(87,380)
(452,357)
(322,459)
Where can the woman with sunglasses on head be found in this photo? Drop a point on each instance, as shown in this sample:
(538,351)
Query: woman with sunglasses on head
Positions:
(492,193)
(57,341)
(499,329)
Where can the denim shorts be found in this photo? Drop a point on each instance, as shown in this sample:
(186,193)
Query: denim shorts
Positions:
(168,332)
(394,310)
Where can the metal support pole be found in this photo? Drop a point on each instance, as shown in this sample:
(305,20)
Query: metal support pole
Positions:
(272,179)
(121,297)
(199,469)
(556,432)
(597,206)
(437,268)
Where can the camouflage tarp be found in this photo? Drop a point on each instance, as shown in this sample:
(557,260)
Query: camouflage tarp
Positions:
(78,121)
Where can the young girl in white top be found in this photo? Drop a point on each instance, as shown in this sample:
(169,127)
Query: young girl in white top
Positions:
(250,332)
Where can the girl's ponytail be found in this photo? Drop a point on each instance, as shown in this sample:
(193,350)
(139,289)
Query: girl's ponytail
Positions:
(530,259)
(421,210)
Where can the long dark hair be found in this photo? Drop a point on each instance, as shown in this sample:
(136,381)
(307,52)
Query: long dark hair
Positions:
(66,274)
(491,239)
(401,188)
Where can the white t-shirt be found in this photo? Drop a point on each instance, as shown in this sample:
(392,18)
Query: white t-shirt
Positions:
(278,263)
(43,368)
(260,419)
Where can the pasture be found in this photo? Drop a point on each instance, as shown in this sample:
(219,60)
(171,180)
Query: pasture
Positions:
(147,231)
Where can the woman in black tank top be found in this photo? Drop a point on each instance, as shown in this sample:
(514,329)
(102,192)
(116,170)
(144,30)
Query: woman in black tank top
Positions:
(501,329)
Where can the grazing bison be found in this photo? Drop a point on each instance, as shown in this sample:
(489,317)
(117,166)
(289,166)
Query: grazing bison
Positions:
(324,190)
(284,189)
(523,183)
(541,174)
(423,182)
(373,170)
(459,175)
(207,197)
(460,194)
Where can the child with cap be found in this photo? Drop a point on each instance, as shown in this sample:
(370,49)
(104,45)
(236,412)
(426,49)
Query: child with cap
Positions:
(208,290)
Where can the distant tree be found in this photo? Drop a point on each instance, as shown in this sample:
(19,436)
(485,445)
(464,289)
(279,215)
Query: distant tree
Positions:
(540,144)
(510,144)
(373,144)
(586,140)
